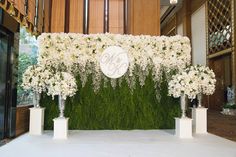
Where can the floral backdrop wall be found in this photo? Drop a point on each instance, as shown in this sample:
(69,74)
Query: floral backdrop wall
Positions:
(78,53)
(139,99)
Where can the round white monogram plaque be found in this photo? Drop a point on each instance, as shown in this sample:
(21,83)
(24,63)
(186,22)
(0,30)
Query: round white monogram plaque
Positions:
(114,62)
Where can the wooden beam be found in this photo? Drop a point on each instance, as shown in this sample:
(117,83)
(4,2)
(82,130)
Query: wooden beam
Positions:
(76,16)
(221,53)
(144,17)
(86,17)
(67,16)
(125,16)
(187,18)
(106,16)
(187,21)
(234,44)
(58,16)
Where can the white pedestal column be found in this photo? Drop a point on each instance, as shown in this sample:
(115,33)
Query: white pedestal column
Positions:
(183,127)
(36,121)
(199,116)
(60,128)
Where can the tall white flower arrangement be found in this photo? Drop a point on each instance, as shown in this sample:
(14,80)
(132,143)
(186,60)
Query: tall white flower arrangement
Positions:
(63,84)
(35,78)
(192,81)
(184,83)
(40,79)
(206,79)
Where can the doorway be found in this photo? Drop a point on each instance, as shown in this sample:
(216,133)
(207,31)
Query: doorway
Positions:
(223,70)
(5,82)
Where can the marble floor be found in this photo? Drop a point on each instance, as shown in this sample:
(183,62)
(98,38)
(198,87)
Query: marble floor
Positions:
(221,125)
(116,143)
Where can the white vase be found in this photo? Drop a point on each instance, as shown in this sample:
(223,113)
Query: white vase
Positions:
(36,99)
(183,105)
(199,99)
(61,103)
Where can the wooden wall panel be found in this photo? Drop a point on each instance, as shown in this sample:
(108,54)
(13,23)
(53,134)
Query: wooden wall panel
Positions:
(196,4)
(96,16)
(58,16)
(46,15)
(116,16)
(31,11)
(10,23)
(234,49)
(187,18)
(184,15)
(19,5)
(144,17)
(76,16)
(40,15)
(22,119)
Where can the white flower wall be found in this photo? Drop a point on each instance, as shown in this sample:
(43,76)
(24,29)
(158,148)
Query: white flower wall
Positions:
(78,53)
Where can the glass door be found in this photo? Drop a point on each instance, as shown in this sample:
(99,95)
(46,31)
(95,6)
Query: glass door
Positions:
(3,82)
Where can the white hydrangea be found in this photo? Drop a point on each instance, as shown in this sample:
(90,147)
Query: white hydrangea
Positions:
(206,78)
(184,82)
(62,83)
(35,78)
(192,81)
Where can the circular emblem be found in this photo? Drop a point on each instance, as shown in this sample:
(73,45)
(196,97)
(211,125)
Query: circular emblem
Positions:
(114,62)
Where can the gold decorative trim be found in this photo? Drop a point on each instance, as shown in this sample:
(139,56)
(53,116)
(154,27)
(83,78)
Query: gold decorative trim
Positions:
(170,32)
(220,53)
(219,25)
(206,27)
(233,43)
(18,16)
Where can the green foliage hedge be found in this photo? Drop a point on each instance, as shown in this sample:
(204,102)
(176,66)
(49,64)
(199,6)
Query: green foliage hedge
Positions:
(117,108)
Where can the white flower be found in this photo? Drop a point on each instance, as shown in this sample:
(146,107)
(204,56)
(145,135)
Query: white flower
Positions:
(206,78)
(192,81)
(62,83)
(79,53)
(35,78)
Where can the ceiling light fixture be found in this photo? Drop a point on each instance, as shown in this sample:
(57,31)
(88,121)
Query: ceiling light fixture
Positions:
(173,2)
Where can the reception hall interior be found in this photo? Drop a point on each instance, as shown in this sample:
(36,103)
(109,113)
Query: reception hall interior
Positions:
(117,78)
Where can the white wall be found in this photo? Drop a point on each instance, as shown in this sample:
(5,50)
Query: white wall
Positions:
(198,27)
(180,29)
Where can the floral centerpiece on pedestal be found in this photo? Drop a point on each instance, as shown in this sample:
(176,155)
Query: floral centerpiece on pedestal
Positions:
(64,85)
(206,81)
(192,82)
(184,84)
(35,78)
